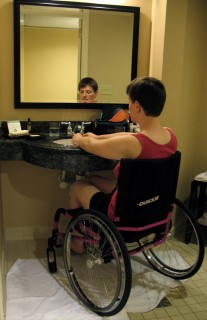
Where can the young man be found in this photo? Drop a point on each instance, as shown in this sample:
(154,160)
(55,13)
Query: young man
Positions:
(147,97)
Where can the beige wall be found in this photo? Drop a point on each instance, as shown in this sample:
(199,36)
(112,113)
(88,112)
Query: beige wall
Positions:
(108,50)
(184,73)
(34,201)
(49,64)
(178,57)
(157,38)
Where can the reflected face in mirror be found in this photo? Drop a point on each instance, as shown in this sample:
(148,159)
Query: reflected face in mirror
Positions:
(88,95)
(88,89)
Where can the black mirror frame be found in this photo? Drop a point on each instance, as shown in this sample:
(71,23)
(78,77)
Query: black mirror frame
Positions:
(68,4)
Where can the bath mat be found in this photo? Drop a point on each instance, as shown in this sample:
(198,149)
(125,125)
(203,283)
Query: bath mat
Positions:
(34,294)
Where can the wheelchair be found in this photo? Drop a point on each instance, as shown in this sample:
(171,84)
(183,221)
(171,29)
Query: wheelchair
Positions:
(148,219)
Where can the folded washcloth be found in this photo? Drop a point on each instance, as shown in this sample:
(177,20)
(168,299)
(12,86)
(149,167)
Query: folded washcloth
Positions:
(19,133)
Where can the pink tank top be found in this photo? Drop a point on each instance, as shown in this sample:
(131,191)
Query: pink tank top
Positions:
(150,150)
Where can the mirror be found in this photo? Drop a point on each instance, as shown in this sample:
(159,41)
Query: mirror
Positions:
(56,43)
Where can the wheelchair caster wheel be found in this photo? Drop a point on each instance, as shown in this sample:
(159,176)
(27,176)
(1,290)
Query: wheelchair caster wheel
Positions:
(51,260)
(52,266)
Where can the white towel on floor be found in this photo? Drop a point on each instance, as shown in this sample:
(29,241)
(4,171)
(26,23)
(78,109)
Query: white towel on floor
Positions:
(34,294)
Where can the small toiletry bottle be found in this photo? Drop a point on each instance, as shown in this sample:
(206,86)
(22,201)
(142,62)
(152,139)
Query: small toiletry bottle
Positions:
(130,123)
(69,130)
(29,125)
(136,128)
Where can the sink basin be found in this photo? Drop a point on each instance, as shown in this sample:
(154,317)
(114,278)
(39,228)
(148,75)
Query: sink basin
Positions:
(65,143)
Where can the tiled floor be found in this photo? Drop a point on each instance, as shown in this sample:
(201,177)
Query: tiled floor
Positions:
(187,302)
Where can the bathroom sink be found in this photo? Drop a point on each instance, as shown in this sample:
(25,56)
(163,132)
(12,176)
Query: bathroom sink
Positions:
(65,143)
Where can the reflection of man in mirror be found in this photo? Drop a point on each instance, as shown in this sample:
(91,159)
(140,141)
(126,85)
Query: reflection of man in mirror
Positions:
(88,89)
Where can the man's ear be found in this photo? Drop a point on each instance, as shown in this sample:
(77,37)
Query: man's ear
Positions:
(138,106)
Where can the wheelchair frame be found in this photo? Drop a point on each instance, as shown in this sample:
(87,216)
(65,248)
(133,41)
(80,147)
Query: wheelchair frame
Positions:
(101,276)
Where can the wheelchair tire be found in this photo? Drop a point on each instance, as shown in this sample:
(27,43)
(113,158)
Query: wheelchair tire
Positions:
(182,253)
(101,275)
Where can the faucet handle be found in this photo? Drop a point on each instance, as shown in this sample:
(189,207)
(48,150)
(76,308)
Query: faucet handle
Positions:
(82,128)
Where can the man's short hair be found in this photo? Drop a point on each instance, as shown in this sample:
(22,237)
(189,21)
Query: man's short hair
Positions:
(150,93)
(88,82)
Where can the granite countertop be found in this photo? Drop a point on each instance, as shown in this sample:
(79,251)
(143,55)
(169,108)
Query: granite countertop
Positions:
(43,152)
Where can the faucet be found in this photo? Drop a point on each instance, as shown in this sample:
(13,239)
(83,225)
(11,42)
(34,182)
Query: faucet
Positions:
(79,128)
(83,124)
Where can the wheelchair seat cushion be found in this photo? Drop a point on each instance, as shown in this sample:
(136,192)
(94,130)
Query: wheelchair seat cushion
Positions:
(100,201)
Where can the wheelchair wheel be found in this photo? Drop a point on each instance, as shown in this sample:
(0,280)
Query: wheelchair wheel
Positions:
(182,253)
(101,275)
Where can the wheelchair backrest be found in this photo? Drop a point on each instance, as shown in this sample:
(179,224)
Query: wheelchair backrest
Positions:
(146,189)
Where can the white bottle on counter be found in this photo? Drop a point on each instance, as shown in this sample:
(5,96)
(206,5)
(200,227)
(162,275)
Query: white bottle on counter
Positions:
(69,130)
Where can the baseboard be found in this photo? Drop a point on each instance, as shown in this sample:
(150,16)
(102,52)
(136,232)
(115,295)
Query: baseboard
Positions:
(27,233)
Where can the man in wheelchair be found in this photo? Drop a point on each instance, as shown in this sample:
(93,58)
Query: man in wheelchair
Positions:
(112,221)
(147,98)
